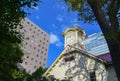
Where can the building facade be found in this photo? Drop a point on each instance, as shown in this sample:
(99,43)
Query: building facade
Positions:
(35,46)
(96,44)
(76,64)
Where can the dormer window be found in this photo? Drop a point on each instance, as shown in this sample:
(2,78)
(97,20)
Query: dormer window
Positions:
(70,58)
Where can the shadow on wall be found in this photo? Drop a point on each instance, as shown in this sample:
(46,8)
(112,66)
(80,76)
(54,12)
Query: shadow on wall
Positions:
(82,68)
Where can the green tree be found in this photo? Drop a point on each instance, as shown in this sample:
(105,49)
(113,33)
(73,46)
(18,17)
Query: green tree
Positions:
(11,13)
(107,15)
(37,75)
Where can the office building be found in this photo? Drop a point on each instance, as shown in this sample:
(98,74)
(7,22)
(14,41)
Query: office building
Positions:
(35,46)
(96,44)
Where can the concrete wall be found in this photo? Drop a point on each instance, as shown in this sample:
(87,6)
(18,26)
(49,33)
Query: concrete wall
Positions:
(35,46)
(111,74)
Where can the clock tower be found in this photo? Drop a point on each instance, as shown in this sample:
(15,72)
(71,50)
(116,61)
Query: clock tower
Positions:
(74,37)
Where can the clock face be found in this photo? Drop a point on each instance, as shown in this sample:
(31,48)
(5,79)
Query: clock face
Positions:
(70,39)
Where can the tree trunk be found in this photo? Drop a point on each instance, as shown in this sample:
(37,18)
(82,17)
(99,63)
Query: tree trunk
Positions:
(109,33)
(115,54)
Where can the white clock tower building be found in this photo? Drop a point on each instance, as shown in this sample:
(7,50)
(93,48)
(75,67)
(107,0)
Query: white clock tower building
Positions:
(76,64)
(74,36)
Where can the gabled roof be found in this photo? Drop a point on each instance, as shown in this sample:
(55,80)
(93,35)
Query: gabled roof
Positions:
(106,57)
(71,50)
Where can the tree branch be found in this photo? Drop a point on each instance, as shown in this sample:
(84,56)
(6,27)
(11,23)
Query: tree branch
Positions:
(113,9)
(102,21)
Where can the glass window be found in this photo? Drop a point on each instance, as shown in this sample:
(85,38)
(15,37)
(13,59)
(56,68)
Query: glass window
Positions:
(92,76)
(37,34)
(35,60)
(38,50)
(27,56)
(34,31)
(27,38)
(33,36)
(34,66)
(37,55)
(25,63)
(44,34)
(28,22)
(34,47)
(31,58)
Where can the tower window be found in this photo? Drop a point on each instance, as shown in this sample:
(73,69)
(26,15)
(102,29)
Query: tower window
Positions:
(34,47)
(26,43)
(31,58)
(28,22)
(25,63)
(37,34)
(34,66)
(42,52)
(27,38)
(40,40)
(37,55)
(34,31)
(38,50)
(43,42)
(42,47)
(33,36)
(27,56)
(35,60)
(92,76)
(45,54)
(44,58)
(44,34)
(24,30)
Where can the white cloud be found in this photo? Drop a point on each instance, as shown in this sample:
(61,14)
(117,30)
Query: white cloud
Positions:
(76,25)
(60,6)
(59,18)
(75,20)
(54,26)
(37,17)
(59,44)
(64,27)
(36,8)
(55,40)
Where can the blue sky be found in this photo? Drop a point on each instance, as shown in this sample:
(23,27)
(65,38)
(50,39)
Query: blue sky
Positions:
(52,16)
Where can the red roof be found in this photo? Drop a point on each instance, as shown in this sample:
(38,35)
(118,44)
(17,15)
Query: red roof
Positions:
(105,56)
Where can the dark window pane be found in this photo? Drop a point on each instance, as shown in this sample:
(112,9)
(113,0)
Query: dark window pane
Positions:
(92,76)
